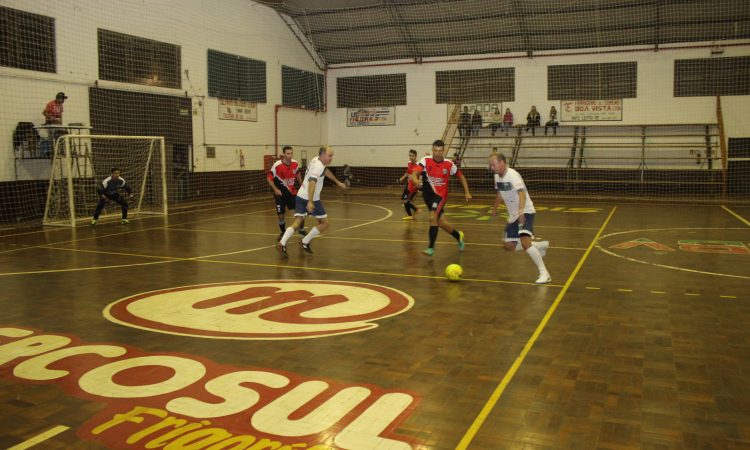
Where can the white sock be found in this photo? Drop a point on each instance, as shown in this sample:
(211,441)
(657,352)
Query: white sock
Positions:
(542,246)
(535,256)
(287,234)
(311,235)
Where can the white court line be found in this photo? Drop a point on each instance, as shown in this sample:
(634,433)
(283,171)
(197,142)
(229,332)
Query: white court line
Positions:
(52,432)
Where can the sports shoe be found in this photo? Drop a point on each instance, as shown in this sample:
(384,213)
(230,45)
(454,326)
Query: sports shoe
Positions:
(407,218)
(93,222)
(543,246)
(302,232)
(124,221)
(544,278)
(461,243)
(305,247)
(282,249)
(429,251)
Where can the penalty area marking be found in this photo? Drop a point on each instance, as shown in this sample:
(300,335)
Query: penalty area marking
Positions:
(52,432)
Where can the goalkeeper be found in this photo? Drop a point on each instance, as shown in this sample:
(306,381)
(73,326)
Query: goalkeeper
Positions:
(110,190)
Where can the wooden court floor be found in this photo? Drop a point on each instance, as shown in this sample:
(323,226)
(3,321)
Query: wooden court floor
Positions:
(190,332)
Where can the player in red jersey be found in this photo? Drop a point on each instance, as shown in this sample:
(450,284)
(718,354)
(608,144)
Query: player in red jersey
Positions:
(410,190)
(282,176)
(435,173)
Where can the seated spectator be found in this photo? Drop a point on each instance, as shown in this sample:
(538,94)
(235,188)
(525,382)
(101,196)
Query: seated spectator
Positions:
(533,120)
(348,176)
(552,122)
(496,121)
(507,120)
(476,122)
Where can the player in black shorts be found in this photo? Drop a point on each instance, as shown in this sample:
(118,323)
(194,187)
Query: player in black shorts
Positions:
(282,178)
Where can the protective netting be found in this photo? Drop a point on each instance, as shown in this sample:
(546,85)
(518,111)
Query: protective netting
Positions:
(649,98)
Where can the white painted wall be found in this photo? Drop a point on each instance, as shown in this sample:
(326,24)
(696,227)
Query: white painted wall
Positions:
(422,121)
(238,27)
(247,29)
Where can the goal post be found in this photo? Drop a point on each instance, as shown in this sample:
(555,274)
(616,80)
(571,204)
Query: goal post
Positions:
(81,162)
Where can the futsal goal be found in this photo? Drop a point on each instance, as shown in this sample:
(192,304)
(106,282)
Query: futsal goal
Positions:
(81,162)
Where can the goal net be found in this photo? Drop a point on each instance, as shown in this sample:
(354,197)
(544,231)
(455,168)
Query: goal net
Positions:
(80,163)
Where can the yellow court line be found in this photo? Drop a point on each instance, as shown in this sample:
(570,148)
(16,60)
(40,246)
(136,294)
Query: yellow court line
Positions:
(498,392)
(255,233)
(691,294)
(624,290)
(48,230)
(52,432)
(593,288)
(130,231)
(728,296)
(658,292)
(167,259)
(739,217)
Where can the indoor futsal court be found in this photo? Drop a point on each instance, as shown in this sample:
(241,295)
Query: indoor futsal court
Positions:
(526,225)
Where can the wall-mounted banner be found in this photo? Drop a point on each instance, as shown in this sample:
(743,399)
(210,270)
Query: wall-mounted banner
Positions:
(375,116)
(487,110)
(590,110)
(238,110)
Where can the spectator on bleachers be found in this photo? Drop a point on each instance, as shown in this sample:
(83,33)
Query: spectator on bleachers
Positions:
(533,120)
(464,123)
(476,122)
(507,120)
(496,121)
(552,122)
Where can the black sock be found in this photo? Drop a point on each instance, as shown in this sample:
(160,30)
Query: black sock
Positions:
(282,226)
(456,235)
(433,235)
(406,207)
(411,206)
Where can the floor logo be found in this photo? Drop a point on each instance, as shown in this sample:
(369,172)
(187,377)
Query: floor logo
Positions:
(267,309)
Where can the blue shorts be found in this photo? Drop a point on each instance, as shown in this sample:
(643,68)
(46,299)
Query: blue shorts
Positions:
(300,209)
(514,231)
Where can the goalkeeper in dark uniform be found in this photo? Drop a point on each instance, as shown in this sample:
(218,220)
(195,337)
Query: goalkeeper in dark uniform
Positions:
(110,190)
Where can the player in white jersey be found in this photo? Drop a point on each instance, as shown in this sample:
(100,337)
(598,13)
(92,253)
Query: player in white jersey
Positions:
(308,201)
(520,227)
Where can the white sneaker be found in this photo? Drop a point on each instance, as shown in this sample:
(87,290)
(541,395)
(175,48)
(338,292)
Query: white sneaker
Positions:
(542,246)
(544,278)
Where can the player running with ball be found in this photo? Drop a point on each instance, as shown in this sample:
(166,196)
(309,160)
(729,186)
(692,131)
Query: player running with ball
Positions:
(520,227)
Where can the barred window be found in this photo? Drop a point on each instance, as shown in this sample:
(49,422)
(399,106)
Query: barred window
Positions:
(27,41)
(712,76)
(476,86)
(373,90)
(592,81)
(236,77)
(133,59)
(302,88)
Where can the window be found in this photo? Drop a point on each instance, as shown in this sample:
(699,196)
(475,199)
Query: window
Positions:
(470,86)
(236,78)
(302,88)
(373,90)
(27,41)
(132,59)
(712,76)
(592,81)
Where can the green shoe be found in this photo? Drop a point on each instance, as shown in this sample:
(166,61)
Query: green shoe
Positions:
(93,222)
(429,251)
(461,243)
(124,221)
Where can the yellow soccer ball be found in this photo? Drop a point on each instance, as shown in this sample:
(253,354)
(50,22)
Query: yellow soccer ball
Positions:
(453,272)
